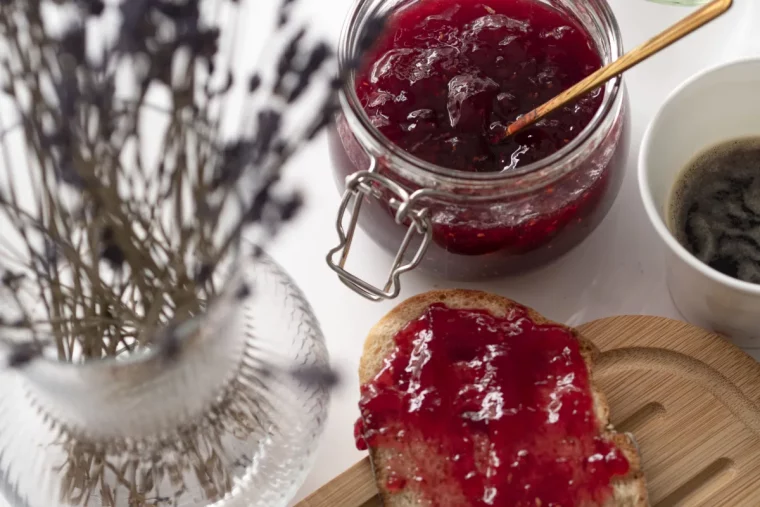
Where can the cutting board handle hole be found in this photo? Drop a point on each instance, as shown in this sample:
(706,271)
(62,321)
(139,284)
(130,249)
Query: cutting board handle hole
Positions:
(702,485)
(642,417)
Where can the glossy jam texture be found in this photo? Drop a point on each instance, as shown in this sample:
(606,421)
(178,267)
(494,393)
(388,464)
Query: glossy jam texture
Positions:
(488,411)
(449,76)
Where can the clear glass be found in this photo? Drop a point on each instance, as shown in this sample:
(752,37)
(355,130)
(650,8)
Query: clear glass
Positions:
(225,422)
(490,224)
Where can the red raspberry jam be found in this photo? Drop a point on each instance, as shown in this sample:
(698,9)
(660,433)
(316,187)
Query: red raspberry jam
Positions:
(449,76)
(488,411)
(442,83)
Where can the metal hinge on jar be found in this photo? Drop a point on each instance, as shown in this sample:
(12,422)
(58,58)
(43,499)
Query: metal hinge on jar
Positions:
(368,184)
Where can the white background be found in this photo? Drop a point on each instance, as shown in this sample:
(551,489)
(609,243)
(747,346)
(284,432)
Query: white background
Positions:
(618,270)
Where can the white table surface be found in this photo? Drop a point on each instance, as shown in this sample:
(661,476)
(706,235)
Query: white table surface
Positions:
(618,270)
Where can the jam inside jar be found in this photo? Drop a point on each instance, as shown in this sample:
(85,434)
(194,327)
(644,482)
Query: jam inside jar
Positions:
(430,104)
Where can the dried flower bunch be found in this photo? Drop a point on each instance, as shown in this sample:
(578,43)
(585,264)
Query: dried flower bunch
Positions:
(132,159)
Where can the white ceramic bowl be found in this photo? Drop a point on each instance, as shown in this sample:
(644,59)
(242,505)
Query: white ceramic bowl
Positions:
(717,105)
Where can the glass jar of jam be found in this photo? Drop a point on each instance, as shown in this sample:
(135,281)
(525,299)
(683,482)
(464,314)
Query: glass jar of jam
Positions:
(419,146)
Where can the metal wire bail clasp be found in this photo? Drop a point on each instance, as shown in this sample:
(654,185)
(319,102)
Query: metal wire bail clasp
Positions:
(364,184)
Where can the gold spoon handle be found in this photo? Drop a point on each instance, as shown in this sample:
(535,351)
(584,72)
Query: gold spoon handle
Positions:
(673,34)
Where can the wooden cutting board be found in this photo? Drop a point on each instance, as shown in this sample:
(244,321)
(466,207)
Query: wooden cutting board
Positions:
(690,398)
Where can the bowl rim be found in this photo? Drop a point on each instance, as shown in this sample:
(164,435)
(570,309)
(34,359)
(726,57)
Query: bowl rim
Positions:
(651,209)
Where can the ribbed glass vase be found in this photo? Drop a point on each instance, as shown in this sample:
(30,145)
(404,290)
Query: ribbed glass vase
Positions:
(222,421)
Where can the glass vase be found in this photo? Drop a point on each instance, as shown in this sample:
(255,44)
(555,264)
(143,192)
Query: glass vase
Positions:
(224,420)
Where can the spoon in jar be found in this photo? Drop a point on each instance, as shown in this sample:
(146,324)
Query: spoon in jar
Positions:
(673,34)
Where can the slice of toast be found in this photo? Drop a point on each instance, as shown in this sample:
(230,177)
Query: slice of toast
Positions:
(628,491)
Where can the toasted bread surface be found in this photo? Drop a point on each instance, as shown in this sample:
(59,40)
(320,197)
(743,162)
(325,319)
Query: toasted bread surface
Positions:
(628,491)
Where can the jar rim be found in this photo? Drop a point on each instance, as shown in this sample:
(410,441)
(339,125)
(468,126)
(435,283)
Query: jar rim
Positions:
(351,105)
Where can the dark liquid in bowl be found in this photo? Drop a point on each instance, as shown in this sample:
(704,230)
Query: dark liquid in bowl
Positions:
(714,209)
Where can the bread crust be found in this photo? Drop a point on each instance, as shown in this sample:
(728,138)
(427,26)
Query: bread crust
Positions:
(628,491)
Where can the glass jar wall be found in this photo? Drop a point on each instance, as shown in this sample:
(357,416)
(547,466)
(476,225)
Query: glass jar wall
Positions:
(475,225)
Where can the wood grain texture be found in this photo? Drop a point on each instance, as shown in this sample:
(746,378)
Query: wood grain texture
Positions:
(691,398)
(670,36)
(353,488)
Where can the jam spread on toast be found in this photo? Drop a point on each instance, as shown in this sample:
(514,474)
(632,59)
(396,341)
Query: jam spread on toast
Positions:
(474,409)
